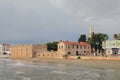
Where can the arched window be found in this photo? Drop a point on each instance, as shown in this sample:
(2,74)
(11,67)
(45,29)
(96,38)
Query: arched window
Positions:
(77,46)
(69,53)
(77,53)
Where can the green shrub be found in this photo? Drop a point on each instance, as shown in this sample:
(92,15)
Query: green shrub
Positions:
(78,57)
(65,56)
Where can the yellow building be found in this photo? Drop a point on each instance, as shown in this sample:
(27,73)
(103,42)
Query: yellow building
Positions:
(74,48)
(27,50)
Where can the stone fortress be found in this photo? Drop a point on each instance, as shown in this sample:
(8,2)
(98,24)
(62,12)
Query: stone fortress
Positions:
(71,49)
(40,50)
(31,51)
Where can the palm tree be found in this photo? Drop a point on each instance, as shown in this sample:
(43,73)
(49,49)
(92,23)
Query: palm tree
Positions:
(115,36)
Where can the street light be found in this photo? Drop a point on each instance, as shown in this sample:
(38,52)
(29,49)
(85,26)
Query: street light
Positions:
(97,43)
(105,46)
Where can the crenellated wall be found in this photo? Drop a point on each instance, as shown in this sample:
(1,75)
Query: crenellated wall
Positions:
(32,51)
(49,54)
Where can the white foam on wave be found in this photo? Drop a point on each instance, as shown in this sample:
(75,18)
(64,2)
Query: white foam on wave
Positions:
(45,66)
(17,64)
(21,64)
(26,78)
(20,73)
(87,75)
(58,72)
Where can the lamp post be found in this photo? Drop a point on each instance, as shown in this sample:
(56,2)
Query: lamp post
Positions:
(97,48)
(105,47)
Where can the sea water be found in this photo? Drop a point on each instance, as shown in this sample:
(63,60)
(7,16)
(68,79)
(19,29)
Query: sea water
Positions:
(17,70)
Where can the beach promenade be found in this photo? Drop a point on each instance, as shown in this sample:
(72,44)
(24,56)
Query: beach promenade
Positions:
(100,58)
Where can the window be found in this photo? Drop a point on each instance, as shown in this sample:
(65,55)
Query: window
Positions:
(77,53)
(80,47)
(68,47)
(77,46)
(84,47)
(88,47)
(84,51)
(59,47)
(69,53)
(62,46)
(113,44)
(73,46)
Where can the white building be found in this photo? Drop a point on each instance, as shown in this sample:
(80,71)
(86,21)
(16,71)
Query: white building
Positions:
(112,47)
(1,50)
(6,49)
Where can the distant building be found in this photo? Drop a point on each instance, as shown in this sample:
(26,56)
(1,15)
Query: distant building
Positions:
(1,50)
(27,50)
(74,48)
(6,49)
(112,47)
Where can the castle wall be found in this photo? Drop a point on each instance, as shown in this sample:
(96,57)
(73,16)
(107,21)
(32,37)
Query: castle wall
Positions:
(48,54)
(21,51)
(27,50)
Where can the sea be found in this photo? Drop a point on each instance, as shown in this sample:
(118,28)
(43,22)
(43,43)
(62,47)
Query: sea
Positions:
(57,70)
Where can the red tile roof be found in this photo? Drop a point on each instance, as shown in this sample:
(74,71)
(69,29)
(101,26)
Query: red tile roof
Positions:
(76,43)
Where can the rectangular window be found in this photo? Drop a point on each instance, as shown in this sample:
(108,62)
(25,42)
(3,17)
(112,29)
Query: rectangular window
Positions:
(62,46)
(84,47)
(84,51)
(73,46)
(88,47)
(69,53)
(59,47)
(68,47)
(80,47)
(77,46)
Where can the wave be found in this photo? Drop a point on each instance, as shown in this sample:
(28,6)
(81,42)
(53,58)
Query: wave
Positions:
(58,72)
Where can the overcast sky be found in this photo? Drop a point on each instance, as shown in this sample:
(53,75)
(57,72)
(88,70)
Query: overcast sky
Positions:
(52,20)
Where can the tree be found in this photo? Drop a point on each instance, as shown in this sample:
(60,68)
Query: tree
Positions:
(116,37)
(52,46)
(82,38)
(96,41)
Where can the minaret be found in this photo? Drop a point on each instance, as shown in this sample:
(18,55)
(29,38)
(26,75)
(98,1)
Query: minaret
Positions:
(90,31)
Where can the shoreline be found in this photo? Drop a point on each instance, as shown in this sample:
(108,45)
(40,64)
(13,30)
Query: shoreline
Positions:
(117,58)
(85,63)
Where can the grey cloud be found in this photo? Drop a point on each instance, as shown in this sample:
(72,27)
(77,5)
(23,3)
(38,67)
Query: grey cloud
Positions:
(33,20)
(103,14)
(89,7)
(49,20)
